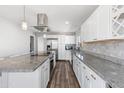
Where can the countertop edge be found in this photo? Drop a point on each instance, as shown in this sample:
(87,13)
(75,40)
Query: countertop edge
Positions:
(24,69)
(113,59)
(98,73)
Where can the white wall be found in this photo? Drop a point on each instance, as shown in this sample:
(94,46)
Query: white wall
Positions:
(13,40)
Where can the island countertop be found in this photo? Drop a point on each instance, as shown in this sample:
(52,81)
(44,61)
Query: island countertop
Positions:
(111,72)
(24,63)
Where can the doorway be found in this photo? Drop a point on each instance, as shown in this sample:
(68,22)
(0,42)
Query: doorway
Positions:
(31,44)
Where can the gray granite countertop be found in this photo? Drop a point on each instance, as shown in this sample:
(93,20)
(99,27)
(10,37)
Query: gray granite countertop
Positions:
(24,63)
(111,72)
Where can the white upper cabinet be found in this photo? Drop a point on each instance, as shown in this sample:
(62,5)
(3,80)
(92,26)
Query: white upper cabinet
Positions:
(97,26)
(106,22)
(62,41)
(69,40)
(117,22)
(92,24)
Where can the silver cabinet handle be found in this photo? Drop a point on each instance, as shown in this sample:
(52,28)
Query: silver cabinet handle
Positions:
(0,74)
(84,67)
(95,39)
(43,66)
(46,69)
(93,77)
(87,78)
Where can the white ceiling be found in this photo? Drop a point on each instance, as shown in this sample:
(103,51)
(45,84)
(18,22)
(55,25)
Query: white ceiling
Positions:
(57,15)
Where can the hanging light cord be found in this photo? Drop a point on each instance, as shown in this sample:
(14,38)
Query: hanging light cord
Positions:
(24,13)
(24,23)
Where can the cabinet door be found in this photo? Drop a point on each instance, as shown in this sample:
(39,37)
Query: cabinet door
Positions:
(63,51)
(47,72)
(43,76)
(54,44)
(46,77)
(82,32)
(61,47)
(69,39)
(87,81)
(83,74)
(86,31)
(5,79)
(104,22)
(74,64)
(79,71)
(41,45)
(0,80)
(89,29)
(94,26)
(96,81)
(98,25)
(59,51)
(85,77)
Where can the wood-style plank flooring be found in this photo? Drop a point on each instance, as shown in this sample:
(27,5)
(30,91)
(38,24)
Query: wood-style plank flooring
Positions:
(63,76)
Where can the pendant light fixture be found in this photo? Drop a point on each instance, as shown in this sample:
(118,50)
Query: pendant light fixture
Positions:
(24,23)
(44,35)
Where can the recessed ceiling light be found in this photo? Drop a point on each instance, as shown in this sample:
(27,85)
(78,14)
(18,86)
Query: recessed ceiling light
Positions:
(66,22)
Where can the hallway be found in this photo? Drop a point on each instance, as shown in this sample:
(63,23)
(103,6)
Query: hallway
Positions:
(63,76)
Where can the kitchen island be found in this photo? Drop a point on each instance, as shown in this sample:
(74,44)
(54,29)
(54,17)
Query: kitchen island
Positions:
(25,72)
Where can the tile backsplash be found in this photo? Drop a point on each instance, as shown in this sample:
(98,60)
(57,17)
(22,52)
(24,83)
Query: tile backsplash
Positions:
(109,48)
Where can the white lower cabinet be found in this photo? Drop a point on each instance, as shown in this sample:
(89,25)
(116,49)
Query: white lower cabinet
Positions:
(45,74)
(74,61)
(3,80)
(0,80)
(96,81)
(36,79)
(85,76)
(87,81)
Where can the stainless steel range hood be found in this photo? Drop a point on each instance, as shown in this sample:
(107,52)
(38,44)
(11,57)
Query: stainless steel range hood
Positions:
(42,22)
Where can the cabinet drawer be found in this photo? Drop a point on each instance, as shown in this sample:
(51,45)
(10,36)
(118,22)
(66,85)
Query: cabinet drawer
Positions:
(97,81)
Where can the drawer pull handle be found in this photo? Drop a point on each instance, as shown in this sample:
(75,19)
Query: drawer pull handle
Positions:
(95,39)
(93,77)
(46,69)
(0,74)
(87,78)
(84,67)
